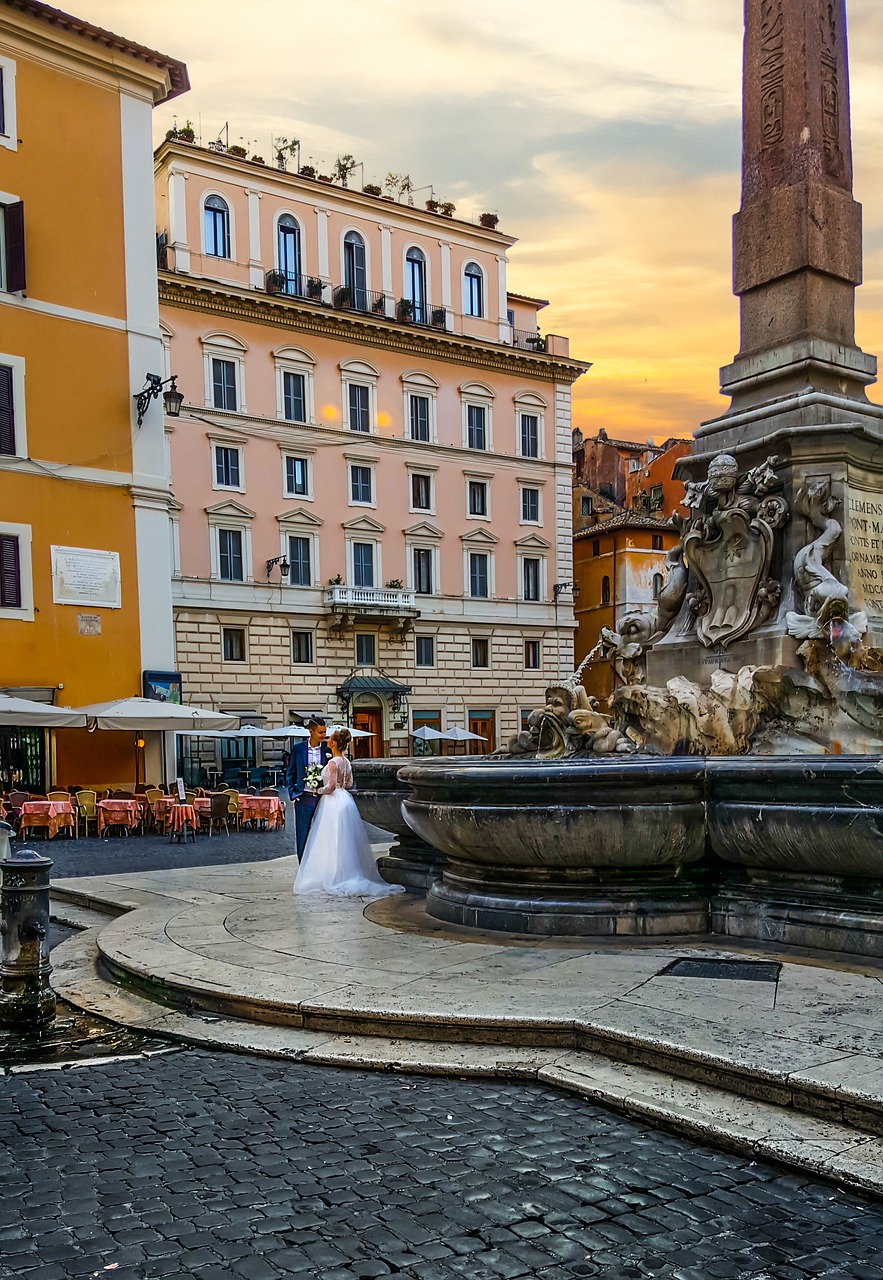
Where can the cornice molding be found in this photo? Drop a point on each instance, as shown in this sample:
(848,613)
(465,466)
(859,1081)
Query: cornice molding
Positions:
(213,298)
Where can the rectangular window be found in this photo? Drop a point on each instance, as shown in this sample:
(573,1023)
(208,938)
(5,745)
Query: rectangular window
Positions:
(13,257)
(530,570)
(10,572)
(424,651)
(3,102)
(656,497)
(7,411)
(476,426)
(479,587)
(530,506)
(231,565)
(301,646)
(227,471)
(477,498)
(224,384)
(481,651)
(421,492)
(233,644)
(363,564)
(532,655)
(294,397)
(297,477)
(300,573)
(530,435)
(359,404)
(419,411)
(423,571)
(587,506)
(596,547)
(360,484)
(656,541)
(366,651)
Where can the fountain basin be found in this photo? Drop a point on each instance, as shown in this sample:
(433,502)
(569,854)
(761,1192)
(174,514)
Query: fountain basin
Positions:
(379,795)
(607,846)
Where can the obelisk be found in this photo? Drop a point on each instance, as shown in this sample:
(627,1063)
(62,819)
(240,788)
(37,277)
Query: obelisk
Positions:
(798,384)
(797,239)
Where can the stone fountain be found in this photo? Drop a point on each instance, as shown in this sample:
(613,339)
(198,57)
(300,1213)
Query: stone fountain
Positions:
(733,787)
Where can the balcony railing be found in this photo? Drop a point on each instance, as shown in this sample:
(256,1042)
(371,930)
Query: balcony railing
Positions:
(374,599)
(346,298)
(296,286)
(527,340)
(423,313)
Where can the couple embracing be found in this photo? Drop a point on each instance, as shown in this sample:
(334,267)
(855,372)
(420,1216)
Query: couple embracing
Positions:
(333,849)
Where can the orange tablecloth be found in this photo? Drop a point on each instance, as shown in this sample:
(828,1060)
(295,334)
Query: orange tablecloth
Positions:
(60,813)
(118,813)
(267,808)
(178,814)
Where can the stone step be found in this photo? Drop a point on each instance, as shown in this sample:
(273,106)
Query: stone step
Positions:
(758,1129)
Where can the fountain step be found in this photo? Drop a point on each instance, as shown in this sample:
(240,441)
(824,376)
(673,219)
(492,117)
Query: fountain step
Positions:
(761,1130)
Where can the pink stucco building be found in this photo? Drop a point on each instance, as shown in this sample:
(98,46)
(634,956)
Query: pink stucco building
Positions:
(372,466)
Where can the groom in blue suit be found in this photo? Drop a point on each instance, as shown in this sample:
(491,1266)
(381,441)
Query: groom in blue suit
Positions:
(305,752)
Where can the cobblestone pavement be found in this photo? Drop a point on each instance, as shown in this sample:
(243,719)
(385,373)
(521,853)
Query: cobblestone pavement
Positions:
(214,1167)
(94,857)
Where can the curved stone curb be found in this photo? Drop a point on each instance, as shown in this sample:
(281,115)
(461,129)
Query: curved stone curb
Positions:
(709,1115)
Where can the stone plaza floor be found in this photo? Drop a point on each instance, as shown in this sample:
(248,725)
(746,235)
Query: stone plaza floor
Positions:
(198,1166)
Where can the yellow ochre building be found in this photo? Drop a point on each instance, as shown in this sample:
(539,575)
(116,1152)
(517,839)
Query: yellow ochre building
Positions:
(85,569)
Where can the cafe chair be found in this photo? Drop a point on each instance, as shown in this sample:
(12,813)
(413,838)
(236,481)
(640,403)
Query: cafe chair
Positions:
(218,815)
(86,810)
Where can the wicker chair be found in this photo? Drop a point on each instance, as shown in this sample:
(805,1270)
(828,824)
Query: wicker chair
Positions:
(218,815)
(232,805)
(86,810)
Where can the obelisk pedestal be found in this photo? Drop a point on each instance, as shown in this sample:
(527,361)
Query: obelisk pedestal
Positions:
(798,384)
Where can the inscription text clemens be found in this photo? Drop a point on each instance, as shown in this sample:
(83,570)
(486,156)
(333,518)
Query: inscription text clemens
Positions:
(772,72)
(864,549)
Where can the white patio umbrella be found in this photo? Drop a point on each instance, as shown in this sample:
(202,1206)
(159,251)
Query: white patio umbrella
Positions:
(27,714)
(354,733)
(456,734)
(145,713)
(426,734)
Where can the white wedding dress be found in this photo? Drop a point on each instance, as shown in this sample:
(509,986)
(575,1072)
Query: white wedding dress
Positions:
(337,856)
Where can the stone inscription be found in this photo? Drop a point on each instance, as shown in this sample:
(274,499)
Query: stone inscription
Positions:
(772,72)
(81,575)
(863,545)
(830,87)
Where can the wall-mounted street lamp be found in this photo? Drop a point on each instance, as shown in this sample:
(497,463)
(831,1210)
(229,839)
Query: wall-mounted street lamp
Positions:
(572,587)
(153,386)
(284,566)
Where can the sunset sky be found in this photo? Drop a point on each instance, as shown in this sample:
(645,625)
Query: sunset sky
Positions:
(605,134)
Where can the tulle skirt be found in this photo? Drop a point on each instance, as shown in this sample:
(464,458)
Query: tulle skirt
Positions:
(337,856)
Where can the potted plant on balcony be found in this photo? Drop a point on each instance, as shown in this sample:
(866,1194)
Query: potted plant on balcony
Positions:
(307,171)
(405,310)
(237,151)
(343,167)
(343,298)
(186,133)
(378,306)
(446,208)
(257,160)
(336,581)
(314,289)
(371,189)
(275,281)
(395,584)
(432,206)
(488,220)
(439,317)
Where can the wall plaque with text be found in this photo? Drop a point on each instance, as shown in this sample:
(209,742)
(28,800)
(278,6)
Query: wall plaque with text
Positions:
(83,576)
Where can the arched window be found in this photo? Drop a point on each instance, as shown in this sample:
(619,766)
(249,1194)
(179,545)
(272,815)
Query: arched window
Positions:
(288,245)
(473,290)
(657,585)
(605,590)
(355,275)
(217,227)
(415,283)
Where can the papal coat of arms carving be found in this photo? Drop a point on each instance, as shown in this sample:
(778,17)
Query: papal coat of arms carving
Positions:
(728,544)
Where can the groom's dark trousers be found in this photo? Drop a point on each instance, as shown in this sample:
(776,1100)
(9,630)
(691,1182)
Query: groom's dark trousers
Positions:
(304,803)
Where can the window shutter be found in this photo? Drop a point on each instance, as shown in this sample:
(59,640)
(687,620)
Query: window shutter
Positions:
(14,232)
(7,411)
(10,573)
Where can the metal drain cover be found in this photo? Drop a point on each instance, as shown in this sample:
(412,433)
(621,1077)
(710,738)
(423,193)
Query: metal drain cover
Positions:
(725,970)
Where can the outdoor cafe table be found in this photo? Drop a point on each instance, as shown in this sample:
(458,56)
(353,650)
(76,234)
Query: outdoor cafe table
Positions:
(59,812)
(181,816)
(262,808)
(118,813)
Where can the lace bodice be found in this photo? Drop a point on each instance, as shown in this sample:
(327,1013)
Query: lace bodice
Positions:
(338,772)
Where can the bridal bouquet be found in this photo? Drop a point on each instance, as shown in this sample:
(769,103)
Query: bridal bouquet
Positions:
(313,778)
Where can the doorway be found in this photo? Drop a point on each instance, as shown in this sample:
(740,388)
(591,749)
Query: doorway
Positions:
(369,719)
(484,724)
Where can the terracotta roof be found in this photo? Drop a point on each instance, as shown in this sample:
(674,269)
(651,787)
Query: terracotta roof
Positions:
(627,520)
(180,81)
(524,297)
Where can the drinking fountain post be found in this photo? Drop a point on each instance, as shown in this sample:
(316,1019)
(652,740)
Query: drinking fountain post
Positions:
(26,998)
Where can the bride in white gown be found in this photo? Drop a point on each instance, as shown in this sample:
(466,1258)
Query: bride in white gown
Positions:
(337,856)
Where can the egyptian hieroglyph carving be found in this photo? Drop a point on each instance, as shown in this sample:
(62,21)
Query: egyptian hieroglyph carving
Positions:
(728,546)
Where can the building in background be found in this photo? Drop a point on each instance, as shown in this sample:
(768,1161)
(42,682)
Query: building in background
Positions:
(85,597)
(618,568)
(372,470)
(611,476)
